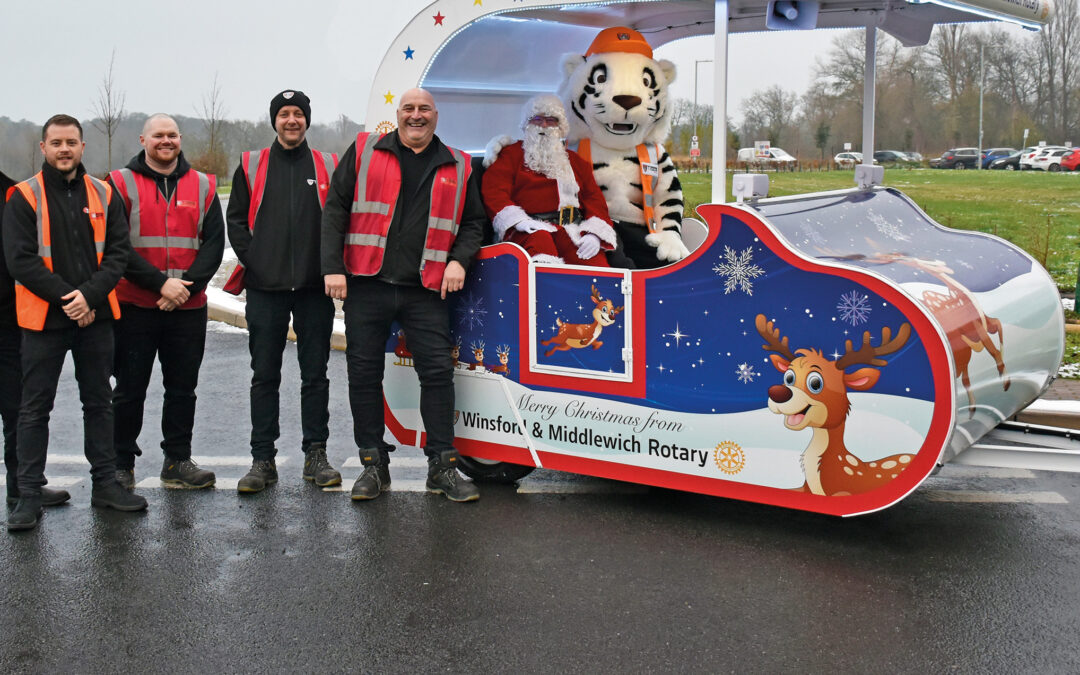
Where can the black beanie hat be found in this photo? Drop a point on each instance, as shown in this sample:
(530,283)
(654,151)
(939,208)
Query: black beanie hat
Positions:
(290,97)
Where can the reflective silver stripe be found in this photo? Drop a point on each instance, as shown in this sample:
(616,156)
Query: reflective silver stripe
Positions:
(360,191)
(442,224)
(135,217)
(204,189)
(174,274)
(435,256)
(365,240)
(459,194)
(35,187)
(103,199)
(654,158)
(252,170)
(328,162)
(166,242)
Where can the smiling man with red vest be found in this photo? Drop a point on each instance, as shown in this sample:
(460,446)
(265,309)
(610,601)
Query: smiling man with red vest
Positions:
(178,235)
(403,221)
(66,245)
(274,219)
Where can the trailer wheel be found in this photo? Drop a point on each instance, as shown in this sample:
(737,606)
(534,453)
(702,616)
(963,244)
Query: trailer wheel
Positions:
(487,471)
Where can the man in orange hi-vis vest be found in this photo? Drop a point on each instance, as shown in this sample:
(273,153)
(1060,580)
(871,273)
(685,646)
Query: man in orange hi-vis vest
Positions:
(402,223)
(273,218)
(66,246)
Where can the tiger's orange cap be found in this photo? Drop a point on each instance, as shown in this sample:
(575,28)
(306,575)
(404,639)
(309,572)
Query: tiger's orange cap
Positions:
(619,39)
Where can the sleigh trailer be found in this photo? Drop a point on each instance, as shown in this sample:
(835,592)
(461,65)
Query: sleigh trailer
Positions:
(824,352)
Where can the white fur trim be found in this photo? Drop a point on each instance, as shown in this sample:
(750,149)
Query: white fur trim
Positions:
(545,259)
(548,105)
(507,218)
(600,228)
(568,192)
(494,147)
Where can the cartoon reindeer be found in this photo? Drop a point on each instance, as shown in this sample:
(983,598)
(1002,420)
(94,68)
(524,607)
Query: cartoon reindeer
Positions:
(814,394)
(478,354)
(455,350)
(503,351)
(578,335)
(402,351)
(966,325)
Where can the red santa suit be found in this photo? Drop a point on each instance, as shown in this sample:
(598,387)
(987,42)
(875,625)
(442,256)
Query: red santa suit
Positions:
(513,193)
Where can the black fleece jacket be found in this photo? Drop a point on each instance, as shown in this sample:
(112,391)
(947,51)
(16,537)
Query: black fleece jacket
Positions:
(7,284)
(211,244)
(408,228)
(75,265)
(281,252)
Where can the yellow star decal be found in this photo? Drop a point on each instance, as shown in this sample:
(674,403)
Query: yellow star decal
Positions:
(388,96)
(478,2)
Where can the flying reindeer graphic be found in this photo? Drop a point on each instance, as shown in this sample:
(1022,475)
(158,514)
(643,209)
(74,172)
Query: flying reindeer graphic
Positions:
(579,335)
(814,395)
(503,352)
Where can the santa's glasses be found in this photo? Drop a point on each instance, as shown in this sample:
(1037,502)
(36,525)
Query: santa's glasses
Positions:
(544,121)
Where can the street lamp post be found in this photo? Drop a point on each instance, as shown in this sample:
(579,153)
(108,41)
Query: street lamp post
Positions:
(695,92)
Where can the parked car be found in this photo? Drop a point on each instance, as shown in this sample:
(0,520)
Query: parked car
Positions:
(848,160)
(995,153)
(1008,163)
(777,158)
(1050,160)
(1071,161)
(890,157)
(914,157)
(1028,158)
(957,158)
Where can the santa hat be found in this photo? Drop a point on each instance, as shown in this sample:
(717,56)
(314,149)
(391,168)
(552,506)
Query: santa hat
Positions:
(619,39)
(547,105)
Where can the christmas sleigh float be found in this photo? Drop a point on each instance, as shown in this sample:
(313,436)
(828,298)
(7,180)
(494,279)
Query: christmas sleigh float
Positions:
(823,352)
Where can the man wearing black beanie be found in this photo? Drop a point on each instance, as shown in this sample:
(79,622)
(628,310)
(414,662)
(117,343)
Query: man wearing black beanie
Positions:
(274,218)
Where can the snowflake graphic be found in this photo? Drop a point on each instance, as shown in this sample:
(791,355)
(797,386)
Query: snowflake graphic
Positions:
(738,270)
(854,308)
(471,313)
(890,230)
(746,373)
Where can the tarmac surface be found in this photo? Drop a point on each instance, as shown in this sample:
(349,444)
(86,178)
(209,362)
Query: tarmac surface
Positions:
(975,572)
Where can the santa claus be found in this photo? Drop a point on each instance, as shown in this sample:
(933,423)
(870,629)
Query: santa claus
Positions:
(542,196)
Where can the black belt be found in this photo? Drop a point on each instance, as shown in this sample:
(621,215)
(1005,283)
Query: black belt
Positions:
(567,215)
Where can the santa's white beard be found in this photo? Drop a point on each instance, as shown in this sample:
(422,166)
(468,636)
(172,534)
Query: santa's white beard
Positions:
(545,154)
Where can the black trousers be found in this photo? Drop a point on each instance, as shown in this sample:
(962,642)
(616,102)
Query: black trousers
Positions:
(267,314)
(10,394)
(371,306)
(43,354)
(177,339)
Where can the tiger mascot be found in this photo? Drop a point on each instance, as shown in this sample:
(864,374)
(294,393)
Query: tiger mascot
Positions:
(616,97)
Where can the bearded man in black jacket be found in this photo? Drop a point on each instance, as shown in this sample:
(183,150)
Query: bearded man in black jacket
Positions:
(274,220)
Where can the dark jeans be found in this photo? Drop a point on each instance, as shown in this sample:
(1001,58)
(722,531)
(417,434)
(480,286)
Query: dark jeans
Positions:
(177,339)
(43,354)
(267,316)
(371,306)
(10,393)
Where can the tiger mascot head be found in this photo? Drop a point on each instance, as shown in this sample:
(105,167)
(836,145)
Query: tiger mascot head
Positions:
(616,93)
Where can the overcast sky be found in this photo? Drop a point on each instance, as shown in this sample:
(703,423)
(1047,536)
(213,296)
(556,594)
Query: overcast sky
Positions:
(55,54)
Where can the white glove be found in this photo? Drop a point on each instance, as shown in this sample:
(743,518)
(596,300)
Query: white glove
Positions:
(530,226)
(669,245)
(588,246)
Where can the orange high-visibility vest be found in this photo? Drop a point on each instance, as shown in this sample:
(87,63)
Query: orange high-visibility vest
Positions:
(255,167)
(647,155)
(378,182)
(30,310)
(166,233)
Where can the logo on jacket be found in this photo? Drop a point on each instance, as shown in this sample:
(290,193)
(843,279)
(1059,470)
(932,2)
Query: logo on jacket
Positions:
(310,181)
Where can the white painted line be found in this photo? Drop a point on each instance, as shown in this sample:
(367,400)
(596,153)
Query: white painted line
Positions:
(1055,406)
(396,485)
(410,462)
(581,488)
(962,471)
(223,460)
(66,459)
(977,496)
(155,484)
(59,481)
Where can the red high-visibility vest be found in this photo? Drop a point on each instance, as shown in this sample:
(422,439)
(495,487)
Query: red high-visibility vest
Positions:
(30,310)
(255,167)
(166,233)
(378,182)
(648,154)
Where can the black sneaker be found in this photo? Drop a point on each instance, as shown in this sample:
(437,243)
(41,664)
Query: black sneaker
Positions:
(26,514)
(317,467)
(444,479)
(185,473)
(126,478)
(112,495)
(49,496)
(263,473)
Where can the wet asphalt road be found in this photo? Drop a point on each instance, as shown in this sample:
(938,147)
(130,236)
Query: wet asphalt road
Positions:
(568,575)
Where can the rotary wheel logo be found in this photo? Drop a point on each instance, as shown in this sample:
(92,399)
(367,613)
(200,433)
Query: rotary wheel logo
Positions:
(384,127)
(729,457)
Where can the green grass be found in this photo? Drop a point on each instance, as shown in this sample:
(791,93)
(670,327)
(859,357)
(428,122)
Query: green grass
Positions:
(1037,211)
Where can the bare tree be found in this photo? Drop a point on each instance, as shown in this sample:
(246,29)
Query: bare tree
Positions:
(213,112)
(109,108)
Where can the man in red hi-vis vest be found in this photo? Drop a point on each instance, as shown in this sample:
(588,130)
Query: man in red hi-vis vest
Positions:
(274,217)
(66,246)
(402,223)
(178,235)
